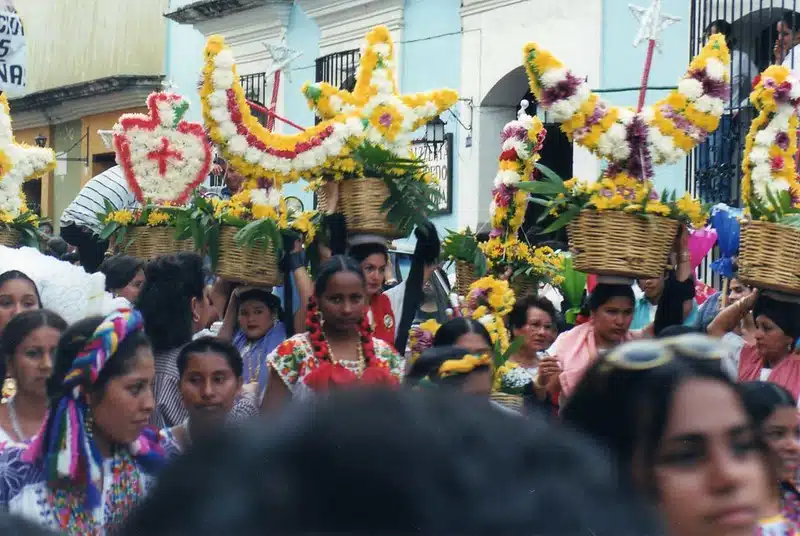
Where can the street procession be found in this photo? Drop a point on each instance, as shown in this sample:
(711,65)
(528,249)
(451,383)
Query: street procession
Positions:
(518,267)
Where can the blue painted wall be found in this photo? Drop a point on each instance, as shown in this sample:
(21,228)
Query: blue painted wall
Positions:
(431,59)
(623,65)
(184,60)
(303,35)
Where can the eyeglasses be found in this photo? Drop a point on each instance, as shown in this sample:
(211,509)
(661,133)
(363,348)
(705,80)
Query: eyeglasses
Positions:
(650,354)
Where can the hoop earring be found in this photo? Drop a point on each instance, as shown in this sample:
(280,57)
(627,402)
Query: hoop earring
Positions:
(9,388)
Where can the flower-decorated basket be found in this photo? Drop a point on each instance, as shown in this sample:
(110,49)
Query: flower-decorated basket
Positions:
(769,243)
(361,200)
(9,237)
(616,243)
(253,266)
(164,158)
(764,259)
(465,276)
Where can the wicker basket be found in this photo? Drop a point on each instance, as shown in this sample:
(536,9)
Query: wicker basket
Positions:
(252,266)
(768,256)
(147,243)
(465,276)
(360,201)
(524,285)
(615,243)
(9,237)
(514,402)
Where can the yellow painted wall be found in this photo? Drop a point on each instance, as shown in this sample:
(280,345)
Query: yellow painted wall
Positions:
(29,136)
(75,41)
(97,122)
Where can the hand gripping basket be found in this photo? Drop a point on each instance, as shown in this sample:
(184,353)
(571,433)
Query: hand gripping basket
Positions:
(615,243)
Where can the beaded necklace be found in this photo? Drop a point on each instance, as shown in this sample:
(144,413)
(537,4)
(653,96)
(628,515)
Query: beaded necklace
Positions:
(72,517)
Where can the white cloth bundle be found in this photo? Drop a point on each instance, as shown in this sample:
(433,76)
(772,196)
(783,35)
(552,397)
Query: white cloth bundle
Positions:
(64,288)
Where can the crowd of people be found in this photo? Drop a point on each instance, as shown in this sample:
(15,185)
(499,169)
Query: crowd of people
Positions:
(195,409)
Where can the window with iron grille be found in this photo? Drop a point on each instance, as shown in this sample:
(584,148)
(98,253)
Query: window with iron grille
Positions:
(759,33)
(338,69)
(255,91)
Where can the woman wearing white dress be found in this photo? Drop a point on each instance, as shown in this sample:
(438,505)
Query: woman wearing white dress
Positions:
(27,348)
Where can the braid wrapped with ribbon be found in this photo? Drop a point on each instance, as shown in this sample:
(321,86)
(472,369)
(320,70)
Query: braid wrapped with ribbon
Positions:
(64,446)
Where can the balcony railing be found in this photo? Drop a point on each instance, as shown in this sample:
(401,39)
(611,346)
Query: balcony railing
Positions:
(255,90)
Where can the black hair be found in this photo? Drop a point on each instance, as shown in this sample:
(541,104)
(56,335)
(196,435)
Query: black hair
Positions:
(362,251)
(56,247)
(22,325)
(518,317)
(785,314)
(165,302)
(211,345)
(605,292)
(628,410)
(449,333)
(443,463)
(72,342)
(13,275)
(761,399)
(429,362)
(120,270)
(331,267)
(71,257)
(791,19)
(270,300)
(675,330)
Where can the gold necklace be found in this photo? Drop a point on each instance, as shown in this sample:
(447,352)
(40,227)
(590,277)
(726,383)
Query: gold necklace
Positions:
(361,363)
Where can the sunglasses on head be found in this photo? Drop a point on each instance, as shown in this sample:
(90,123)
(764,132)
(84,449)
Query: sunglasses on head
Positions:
(649,354)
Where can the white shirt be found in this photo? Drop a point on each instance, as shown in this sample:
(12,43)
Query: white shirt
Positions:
(792,60)
(110,186)
(741,71)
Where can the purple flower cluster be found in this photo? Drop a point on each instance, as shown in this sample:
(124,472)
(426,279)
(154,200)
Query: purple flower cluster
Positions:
(640,163)
(713,88)
(563,90)
(503,195)
(599,112)
(781,91)
(682,123)
(514,130)
(782,140)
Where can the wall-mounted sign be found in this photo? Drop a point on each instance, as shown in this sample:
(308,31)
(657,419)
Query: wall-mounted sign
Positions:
(439,160)
(12,50)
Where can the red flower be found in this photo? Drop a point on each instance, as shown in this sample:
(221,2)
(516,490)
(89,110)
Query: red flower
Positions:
(776,163)
(756,80)
(509,154)
(286,348)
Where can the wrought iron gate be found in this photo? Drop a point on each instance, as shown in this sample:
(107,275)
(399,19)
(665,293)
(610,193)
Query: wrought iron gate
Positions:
(751,26)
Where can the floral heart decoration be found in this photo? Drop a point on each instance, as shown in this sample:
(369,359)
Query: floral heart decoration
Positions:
(164,158)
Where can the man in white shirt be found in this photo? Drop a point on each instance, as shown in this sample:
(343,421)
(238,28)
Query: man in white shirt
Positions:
(80,224)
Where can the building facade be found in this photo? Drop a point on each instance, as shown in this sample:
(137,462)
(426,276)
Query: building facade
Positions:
(473,46)
(89,61)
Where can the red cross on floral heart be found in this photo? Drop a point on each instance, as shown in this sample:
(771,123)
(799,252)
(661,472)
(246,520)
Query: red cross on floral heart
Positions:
(179,147)
(163,154)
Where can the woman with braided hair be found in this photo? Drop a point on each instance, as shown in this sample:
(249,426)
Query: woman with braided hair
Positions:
(92,461)
(338,347)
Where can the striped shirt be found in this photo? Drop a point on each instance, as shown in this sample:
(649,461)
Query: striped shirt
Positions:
(169,410)
(110,186)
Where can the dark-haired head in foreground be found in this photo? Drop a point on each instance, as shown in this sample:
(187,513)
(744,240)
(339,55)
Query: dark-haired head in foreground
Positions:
(679,432)
(391,463)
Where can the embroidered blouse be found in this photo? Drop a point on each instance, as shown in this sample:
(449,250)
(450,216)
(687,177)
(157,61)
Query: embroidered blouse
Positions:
(291,360)
(24,492)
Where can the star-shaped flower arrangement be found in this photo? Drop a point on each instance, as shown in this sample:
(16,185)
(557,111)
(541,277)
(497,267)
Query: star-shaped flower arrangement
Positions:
(634,142)
(18,163)
(374,112)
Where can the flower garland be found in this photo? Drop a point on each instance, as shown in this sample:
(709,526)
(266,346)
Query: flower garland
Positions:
(18,163)
(164,158)
(538,262)
(327,373)
(769,181)
(488,301)
(512,379)
(630,141)
(522,140)
(373,113)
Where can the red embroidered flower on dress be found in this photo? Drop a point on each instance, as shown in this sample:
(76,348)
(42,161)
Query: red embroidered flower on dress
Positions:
(286,348)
